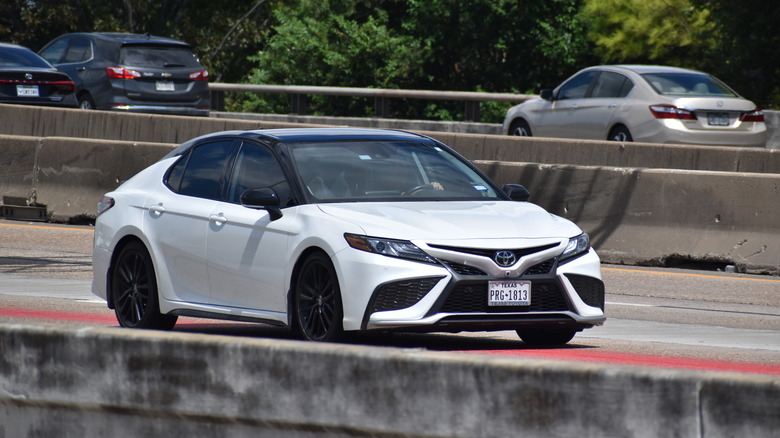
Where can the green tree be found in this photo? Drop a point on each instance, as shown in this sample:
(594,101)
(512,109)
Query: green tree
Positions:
(647,31)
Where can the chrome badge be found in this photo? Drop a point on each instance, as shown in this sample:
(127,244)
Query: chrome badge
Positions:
(505,258)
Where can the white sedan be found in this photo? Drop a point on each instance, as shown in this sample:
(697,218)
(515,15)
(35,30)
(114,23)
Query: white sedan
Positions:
(652,104)
(334,230)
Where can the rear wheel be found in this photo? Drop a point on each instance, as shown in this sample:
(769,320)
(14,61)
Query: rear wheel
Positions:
(86,102)
(318,310)
(520,128)
(134,290)
(548,337)
(620,133)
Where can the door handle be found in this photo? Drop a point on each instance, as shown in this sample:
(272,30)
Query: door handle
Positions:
(157,209)
(573,106)
(218,219)
(81,69)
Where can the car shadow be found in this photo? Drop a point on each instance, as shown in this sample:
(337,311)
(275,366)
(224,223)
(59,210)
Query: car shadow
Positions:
(452,342)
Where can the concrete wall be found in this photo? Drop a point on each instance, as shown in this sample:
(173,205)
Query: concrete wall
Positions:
(100,382)
(661,217)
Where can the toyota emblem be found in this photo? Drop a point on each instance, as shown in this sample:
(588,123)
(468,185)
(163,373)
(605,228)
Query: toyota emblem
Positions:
(28,76)
(505,258)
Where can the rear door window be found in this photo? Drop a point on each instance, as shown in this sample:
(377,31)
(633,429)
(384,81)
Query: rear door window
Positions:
(610,84)
(160,57)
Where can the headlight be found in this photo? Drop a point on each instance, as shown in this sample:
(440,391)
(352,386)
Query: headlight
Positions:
(577,246)
(401,249)
(104,205)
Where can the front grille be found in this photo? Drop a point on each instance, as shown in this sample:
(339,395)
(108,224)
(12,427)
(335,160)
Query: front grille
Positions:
(590,289)
(540,268)
(402,294)
(463,269)
(489,253)
(473,298)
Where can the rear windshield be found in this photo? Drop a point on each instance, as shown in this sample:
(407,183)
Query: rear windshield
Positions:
(157,57)
(12,57)
(688,84)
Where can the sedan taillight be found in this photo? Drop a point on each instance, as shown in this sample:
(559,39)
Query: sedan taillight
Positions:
(756,115)
(66,87)
(200,75)
(122,73)
(671,112)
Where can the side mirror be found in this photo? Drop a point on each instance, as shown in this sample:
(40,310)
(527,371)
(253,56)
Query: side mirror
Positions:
(516,192)
(262,199)
(546,94)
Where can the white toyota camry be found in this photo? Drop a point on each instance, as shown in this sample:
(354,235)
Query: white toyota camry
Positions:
(334,230)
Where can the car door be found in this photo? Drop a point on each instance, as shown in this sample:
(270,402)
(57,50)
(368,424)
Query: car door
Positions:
(247,251)
(596,112)
(179,218)
(560,117)
(74,56)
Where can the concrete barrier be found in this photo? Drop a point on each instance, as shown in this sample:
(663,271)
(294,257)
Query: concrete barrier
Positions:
(70,175)
(57,122)
(97,382)
(661,217)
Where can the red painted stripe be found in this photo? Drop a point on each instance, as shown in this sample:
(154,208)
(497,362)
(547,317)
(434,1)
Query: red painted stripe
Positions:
(618,358)
(83,317)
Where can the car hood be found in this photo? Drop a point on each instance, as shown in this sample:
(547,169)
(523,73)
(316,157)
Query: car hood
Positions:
(443,220)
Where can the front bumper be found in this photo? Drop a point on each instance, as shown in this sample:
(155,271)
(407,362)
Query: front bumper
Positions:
(456,299)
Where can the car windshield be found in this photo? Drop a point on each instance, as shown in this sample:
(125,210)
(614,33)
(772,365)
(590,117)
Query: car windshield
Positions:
(386,170)
(148,56)
(12,58)
(688,84)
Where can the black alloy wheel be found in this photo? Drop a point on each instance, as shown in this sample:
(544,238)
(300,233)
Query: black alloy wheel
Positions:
(546,337)
(318,310)
(134,290)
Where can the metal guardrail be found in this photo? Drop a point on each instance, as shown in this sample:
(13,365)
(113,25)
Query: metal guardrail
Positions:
(382,96)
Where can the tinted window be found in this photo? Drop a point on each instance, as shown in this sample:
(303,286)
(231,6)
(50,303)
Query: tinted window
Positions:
(257,168)
(54,52)
(13,57)
(610,84)
(693,84)
(79,50)
(576,87)
(201,172)
(384,170)
(157,57)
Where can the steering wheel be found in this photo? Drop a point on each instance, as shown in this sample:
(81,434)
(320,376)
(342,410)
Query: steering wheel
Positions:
(422,187)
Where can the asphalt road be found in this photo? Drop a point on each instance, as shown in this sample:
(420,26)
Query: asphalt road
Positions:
(654,315)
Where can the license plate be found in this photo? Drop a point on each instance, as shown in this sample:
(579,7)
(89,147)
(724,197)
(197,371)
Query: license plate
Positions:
(27,90)
(509,293)
(165,86)
(718,119)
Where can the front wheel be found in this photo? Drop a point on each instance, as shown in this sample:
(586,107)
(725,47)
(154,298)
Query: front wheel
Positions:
(134,290)
(520,128)
(318,310)
(546,337)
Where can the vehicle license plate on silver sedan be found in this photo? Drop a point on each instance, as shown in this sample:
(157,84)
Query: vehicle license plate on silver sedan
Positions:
(718,119)
(27,90)
(165,86)
(509,293)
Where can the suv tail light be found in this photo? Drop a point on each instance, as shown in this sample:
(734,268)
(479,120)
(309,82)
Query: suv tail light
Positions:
(756,115)
(200,75)
(671,112)
(122,73)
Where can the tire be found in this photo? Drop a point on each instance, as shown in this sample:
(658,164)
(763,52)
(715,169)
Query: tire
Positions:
(134,290)
(319,315)
(86,102)
(520,128)
(620,133)
(546,337)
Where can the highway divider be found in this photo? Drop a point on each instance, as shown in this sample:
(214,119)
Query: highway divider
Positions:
(97,382)
(641,203)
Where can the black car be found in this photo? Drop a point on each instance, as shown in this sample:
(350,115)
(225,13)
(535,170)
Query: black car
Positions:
(131,72)
(27,78)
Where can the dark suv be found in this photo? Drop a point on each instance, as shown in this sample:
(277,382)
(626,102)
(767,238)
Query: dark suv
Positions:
(130,72)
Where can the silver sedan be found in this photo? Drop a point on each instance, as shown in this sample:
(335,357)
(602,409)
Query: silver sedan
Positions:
(652,104)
